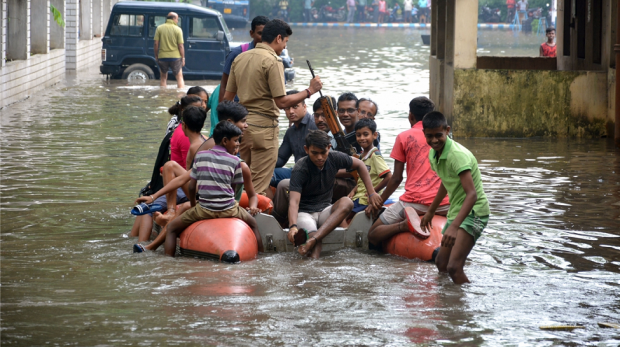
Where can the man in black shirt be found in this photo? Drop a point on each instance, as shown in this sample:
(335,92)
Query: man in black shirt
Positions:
(311,188)
(294,139)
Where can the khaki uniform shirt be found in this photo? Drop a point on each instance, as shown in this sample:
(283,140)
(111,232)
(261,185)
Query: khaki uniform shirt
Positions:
(257,77)
(170,36)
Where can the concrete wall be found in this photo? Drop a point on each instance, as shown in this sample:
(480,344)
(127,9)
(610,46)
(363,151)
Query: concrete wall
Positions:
(18,30)
(521,96)
(530,103)
(21,79)
(3,27)
(39,51)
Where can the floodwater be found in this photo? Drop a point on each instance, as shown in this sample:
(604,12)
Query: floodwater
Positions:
(75,156)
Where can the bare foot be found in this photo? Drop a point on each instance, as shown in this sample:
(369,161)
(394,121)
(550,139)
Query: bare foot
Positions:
(163,219)
(307,247)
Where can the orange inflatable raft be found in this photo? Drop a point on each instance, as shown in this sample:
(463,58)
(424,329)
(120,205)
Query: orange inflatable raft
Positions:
(225,239)
(411,246)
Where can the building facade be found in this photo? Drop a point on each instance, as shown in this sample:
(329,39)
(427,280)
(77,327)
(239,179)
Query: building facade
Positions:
(35,52)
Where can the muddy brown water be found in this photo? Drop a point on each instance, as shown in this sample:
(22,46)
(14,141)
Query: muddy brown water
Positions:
(74,157)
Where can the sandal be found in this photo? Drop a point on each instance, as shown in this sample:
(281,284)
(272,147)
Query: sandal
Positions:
(138,248)
(143,208)
(413,220)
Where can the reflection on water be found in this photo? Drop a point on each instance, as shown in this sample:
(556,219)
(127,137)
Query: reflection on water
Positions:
(75,156)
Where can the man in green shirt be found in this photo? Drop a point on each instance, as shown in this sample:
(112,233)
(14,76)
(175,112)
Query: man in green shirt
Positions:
(169,51)
(469,208)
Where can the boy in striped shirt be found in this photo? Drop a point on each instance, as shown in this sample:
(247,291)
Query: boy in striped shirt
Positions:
(214,175)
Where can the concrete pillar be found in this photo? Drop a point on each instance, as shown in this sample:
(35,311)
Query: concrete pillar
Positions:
(40,26)
(57,33)
(3,27)
(72,21)
(18,33)
(86,23)
(97,17)
(465,33)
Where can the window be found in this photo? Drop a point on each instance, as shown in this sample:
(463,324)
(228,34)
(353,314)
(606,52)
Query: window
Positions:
(155,21)
(127,25)
(204,28)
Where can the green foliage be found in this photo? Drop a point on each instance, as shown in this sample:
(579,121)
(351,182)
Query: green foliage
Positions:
(57,16)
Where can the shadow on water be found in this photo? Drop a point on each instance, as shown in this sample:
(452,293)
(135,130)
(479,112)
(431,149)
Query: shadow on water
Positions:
(75,156)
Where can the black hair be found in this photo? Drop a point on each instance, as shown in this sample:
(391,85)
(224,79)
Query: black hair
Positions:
(317,138)
(370,100)
(258,21)
(366,123)
(170,16)
(434,120)
(276,27)
(181,105)
(291,92)
(348,96)
(549,29)
(231,110)
(420,106)
(317,103)
(194,118)
(225,129)
(197,90)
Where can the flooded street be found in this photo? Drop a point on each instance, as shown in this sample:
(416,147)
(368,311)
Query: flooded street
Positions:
(75,156)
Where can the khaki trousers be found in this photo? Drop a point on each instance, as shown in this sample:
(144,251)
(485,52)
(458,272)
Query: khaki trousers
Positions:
(259,149)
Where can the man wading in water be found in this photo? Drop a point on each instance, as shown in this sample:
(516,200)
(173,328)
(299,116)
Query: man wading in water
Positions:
(257,78)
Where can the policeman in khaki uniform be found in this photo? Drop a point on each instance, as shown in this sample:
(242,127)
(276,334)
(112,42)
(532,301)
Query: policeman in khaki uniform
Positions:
(257,78)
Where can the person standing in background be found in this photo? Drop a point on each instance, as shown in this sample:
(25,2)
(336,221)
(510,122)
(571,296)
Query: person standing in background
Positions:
(375,11)
(307,10)
(382,10)
(361,10)
(408,5)
(351,9)
(510,10)
(169,51)
(548,49)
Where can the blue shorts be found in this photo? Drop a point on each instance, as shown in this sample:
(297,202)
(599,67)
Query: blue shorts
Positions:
(357,207)
(181,198)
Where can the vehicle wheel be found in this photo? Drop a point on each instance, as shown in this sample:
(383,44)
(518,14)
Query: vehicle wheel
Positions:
(138,73)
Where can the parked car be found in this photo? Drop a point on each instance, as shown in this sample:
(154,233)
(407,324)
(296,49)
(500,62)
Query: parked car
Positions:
(236,12)
(127,50)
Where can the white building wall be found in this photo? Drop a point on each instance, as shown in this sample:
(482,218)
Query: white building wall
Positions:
(21,78)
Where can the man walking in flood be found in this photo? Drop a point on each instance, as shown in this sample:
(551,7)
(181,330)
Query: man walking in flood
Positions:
(257,78)
(169,52)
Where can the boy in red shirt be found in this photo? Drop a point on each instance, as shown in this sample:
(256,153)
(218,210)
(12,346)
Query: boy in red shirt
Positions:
(422,182)
(548,49)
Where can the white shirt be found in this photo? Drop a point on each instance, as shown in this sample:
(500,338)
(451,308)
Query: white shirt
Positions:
(408,5)
(522,5)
